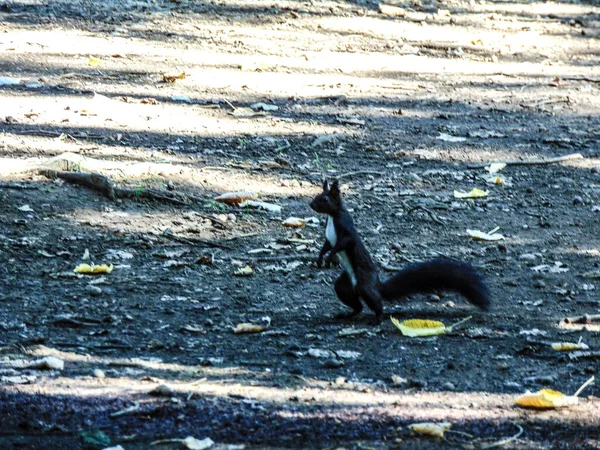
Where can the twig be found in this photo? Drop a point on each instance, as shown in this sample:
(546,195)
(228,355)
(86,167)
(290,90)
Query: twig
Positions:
(214,220)
(227,101)
(240,236)
(585,319)
(505,441)
(131,409)
(102,184)
(530,162)
(550,101)
(358,172)
(431,214)
(591,80)
(583,386)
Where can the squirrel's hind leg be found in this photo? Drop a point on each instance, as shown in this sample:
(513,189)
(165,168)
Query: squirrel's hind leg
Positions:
(373,300)
(348,296)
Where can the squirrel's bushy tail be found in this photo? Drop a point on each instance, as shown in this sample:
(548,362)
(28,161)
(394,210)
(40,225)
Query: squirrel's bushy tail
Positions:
(438,274)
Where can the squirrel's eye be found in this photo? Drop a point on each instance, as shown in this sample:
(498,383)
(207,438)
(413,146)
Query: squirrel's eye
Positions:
(326,198)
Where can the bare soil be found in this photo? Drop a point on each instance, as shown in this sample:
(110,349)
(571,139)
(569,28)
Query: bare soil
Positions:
(399,102)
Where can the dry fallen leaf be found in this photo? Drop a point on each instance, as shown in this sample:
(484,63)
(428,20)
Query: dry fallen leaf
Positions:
(482,236)
(495,179)
(294,222)
(431,428)
(419,327)
(261,205)
(546,398)
(93,269)
(449,138)
(235,198)
(172,78)
(244,272)
(244,328)
(550,399)
(94,62)
(495,167)
(197,444)
(474,193)
(568,346)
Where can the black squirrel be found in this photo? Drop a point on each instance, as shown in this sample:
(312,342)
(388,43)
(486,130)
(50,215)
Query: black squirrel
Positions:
(360,279)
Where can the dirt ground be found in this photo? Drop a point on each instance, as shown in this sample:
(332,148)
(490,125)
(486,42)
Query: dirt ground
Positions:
(397,100)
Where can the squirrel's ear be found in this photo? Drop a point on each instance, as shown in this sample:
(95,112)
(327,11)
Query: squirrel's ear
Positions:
(325,185)
(335,188)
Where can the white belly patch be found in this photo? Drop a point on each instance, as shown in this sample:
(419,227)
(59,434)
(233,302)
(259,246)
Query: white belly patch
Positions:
(342,257)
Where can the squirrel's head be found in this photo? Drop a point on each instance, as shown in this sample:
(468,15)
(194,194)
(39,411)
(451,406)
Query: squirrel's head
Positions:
(329,201)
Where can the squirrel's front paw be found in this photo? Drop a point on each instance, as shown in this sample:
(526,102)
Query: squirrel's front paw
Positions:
(320,262)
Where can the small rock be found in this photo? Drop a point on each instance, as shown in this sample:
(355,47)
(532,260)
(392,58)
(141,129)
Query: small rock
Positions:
(577,200)
(398,380)
(543,379)
(512,385)
(170,185)
(47,363)
(231,217)
(528,257)
(97,373)
(539,284)
(594,170)
(93,290)
(340,381)
(502,366)
(434,298)
(162,391)
(333,364)
(417,383)
(448,386)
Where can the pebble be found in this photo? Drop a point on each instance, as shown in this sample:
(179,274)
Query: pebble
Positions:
(93,290)
(539,284)
(333,364)
(512,385)
(162,391)
(448,386)
(99,374)
(434,298)
(528,257)
(417,383)
(594,170)
(577,200)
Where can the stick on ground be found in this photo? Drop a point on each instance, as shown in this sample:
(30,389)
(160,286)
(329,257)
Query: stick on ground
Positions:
(530,162)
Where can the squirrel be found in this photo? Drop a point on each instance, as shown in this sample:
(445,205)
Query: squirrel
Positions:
(360,278)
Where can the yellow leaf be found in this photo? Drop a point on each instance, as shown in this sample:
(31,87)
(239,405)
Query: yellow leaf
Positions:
(475,193)
(482,236)
(94,62)
(545,399)
(419,327)
(93,270)
(243,328)
(431,428)
(568,346)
